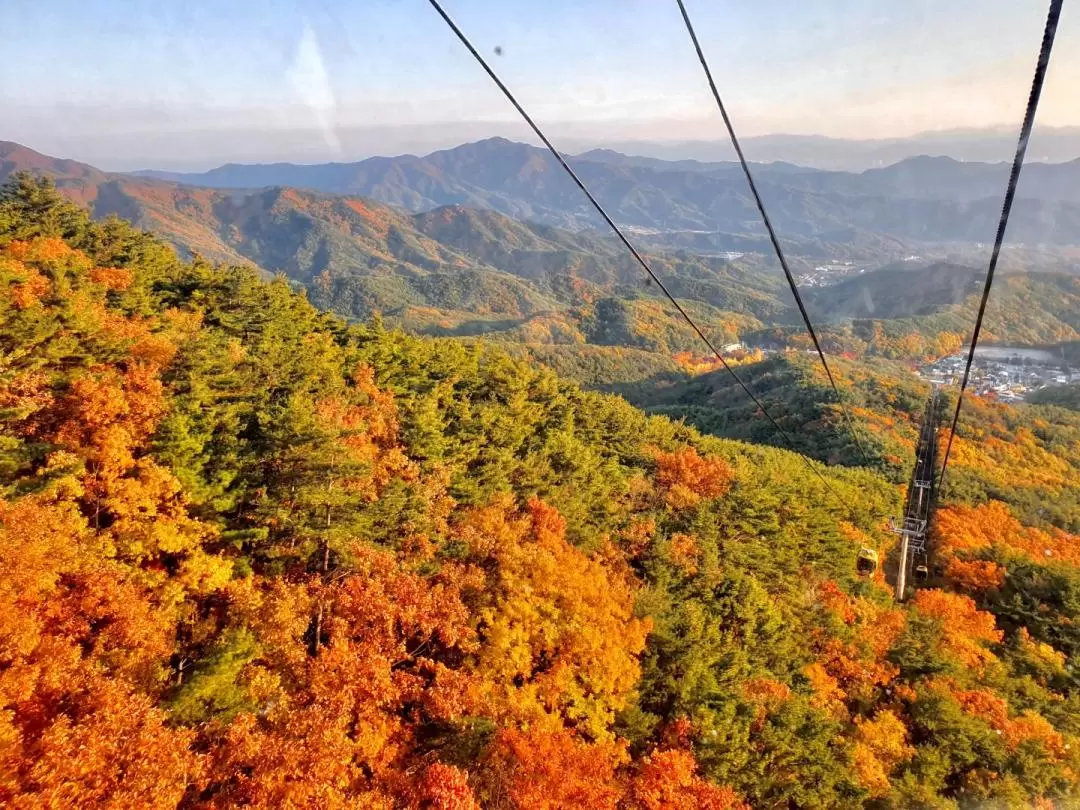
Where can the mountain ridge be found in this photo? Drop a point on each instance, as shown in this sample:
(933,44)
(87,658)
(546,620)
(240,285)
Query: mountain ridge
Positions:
(990,144)
(923,198)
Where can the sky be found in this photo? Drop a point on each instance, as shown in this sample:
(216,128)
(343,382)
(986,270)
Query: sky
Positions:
(127,84)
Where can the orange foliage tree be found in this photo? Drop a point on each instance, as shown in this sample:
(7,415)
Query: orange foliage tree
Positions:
(971,528)
(685,478)
(560,640)
(974,575)
(965,629)
(443,787)
(880,746)
(337,715)
(551,770)
(668,780)
(76,638)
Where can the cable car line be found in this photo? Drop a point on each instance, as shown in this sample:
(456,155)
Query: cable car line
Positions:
(625,241)
(1049,32)
(768,224)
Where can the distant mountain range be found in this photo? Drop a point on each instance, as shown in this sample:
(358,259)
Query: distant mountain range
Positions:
(699,206)
(986,144)
(919,199)
(452,255)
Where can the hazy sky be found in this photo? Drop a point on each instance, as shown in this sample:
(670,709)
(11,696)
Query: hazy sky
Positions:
(132,83)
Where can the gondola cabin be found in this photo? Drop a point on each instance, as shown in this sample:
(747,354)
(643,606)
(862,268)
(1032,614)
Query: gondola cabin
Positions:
(866,562)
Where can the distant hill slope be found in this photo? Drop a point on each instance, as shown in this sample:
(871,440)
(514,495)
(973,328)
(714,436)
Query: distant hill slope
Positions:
(792,386)
(1064,396)
(1029,308)
(16,157)
(898,293)
(923,198)
(998,446)
(927,312)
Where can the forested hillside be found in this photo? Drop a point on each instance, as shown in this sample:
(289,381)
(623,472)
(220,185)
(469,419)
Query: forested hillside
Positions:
(253,555)
(806,408)
(918,312)
(1067,396)
(1025,455)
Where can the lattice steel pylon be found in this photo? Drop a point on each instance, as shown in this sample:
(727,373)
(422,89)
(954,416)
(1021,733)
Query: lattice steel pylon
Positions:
(913,526)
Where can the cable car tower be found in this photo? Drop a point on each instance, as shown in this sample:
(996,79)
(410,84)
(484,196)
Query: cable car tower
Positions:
(912,528)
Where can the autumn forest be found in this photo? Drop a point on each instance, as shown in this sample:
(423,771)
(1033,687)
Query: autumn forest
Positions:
(254,554)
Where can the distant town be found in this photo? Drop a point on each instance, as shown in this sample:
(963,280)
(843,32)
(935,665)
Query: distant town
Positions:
(825,274)
(1007,372)
(833,271)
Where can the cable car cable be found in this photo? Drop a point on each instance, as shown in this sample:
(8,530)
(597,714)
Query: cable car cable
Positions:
(1049,32)
(622,238)
(768,225)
